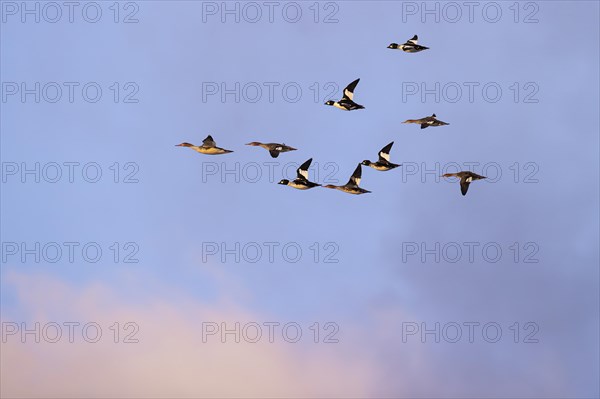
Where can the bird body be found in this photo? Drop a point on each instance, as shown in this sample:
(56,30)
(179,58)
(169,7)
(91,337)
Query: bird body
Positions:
(274,148)
(466,177)
(301,181)
(410,46)
(347,102)
(427,121)
(208,147)
(383,164)
(299,184)
(352,186)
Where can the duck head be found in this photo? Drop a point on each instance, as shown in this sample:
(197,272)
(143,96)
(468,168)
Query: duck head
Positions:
(393,46)
(184,145)
(330,102)
(284,182)
(366,162)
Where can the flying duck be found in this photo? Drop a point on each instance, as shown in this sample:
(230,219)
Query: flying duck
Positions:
(301,181)
(383,163)
(273,148)
(427,121)
(410,46)
(466,178)
(352,186)
(346,102)
(208,147)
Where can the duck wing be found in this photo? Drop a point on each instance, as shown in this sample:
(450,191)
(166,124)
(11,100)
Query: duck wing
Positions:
(209,142)
(302,171)
(349,90)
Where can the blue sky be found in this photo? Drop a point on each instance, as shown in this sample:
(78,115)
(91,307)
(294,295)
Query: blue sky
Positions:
(549,134)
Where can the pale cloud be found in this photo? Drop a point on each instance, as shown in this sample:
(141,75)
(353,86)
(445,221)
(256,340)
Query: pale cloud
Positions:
(170,359)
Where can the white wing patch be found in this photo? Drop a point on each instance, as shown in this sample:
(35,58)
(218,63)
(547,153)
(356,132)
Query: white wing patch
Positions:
(356,180)
(412,41)
(349,94)
(384,156)
(303,173)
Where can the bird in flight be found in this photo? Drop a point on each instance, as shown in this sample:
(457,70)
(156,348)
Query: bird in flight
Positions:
(347,102)
(352,186)
(383,163)
(301,182)
(274,148)
(208,147)
(427,121)
(466,177)
(410,46)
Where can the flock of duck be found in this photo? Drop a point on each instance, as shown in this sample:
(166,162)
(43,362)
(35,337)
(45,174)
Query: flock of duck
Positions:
(346,103)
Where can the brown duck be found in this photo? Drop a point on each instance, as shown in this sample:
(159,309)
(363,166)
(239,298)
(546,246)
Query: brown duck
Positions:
(466,178)
(208,147)
(274,148)
(427,121)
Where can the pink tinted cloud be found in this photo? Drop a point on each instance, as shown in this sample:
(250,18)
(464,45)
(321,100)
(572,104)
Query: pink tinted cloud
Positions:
(170,360)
